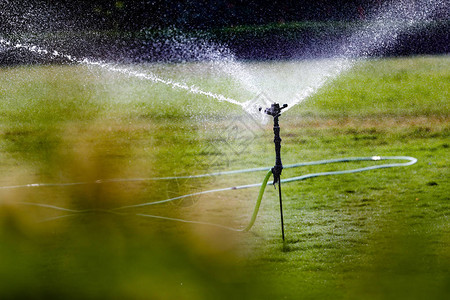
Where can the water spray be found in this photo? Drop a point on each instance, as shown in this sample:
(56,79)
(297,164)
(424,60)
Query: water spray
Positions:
(375,36)
(275,111)
(127,71)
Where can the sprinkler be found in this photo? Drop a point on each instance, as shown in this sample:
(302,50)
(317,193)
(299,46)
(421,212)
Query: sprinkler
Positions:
(275,111)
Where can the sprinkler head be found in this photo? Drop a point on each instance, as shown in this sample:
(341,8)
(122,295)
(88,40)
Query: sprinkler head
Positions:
(274,110)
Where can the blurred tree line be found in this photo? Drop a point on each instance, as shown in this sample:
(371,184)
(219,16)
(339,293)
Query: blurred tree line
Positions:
(132,14)
(136,14)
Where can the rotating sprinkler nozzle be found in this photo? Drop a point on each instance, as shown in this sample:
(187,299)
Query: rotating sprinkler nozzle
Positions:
(275,111)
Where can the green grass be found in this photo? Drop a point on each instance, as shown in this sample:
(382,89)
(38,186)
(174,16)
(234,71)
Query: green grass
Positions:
(382,234)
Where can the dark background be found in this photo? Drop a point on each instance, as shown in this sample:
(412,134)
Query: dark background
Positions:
(138,30)
(137,14)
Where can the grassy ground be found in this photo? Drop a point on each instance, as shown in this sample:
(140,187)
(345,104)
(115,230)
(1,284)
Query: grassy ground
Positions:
(383,234)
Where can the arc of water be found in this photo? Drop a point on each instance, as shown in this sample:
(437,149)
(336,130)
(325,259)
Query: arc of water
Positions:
(380,32)
(120,69)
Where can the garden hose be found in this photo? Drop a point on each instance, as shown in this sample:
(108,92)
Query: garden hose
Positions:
(410,161)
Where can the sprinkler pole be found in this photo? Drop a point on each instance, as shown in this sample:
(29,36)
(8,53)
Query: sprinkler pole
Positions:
(275,111)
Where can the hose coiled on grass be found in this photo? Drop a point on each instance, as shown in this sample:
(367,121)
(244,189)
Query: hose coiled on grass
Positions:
(262,185)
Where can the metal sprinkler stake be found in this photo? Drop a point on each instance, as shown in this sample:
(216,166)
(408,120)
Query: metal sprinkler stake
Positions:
(275,110)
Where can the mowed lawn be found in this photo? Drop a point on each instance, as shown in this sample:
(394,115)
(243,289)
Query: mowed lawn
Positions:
(382,234)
